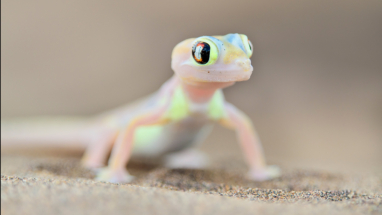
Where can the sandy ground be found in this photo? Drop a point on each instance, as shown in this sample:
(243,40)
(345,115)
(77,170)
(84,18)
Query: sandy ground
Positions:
(315,98)
(59,185)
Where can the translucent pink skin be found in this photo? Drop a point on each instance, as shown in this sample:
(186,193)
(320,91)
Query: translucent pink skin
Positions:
(199,84)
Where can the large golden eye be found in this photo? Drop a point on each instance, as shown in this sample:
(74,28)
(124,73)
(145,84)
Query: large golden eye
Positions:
(205,52)
(247,45)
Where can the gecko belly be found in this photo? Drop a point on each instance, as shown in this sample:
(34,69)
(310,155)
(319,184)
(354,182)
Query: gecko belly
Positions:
(160,139)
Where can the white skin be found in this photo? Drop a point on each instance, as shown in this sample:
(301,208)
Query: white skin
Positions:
(199,83)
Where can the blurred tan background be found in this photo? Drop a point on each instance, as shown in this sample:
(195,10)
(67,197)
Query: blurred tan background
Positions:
(315,95)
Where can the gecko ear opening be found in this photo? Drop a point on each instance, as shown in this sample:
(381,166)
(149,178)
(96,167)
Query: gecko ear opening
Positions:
(204,52)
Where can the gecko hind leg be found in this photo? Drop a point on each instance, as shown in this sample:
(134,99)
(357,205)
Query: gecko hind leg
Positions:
(188,159)
(97,152)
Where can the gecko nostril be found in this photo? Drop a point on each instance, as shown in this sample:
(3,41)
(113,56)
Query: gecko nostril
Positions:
(243,61)
(244,64)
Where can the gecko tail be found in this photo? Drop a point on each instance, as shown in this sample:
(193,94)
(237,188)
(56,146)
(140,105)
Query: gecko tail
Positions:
(43,133)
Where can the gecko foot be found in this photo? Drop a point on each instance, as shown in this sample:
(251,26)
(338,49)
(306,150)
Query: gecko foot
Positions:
(188,159)
(114,176)
(267,173)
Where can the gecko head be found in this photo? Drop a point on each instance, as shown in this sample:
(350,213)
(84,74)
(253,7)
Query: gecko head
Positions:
(213,59)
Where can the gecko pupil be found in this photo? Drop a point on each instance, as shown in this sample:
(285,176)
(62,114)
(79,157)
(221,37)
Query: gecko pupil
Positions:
(201,52)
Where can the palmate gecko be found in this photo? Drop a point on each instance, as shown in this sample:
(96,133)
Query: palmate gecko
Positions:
(180,114)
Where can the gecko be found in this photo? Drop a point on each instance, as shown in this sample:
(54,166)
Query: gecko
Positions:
(180,114)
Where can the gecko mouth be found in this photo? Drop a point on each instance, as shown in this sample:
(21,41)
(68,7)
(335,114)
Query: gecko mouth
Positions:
(240,70)
(220,75)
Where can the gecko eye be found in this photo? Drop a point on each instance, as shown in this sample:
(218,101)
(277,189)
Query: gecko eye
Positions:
(201,52)
(247,45)
(204,52)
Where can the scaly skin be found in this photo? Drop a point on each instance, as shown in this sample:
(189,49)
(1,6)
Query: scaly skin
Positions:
(178,115)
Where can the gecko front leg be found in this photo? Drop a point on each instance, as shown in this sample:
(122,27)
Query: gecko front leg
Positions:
(116,171)
(250,144)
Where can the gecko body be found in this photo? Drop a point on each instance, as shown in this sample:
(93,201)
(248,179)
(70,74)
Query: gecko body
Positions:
(181,113)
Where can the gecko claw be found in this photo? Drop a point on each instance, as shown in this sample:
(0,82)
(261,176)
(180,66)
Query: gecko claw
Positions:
(114,176)
(269,172)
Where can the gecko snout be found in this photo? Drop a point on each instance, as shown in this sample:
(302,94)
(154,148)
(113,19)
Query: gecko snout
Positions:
(245,64)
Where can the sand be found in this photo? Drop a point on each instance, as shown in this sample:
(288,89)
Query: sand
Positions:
(59,185)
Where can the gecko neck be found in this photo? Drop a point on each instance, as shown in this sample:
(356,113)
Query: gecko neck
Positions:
(202,92)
